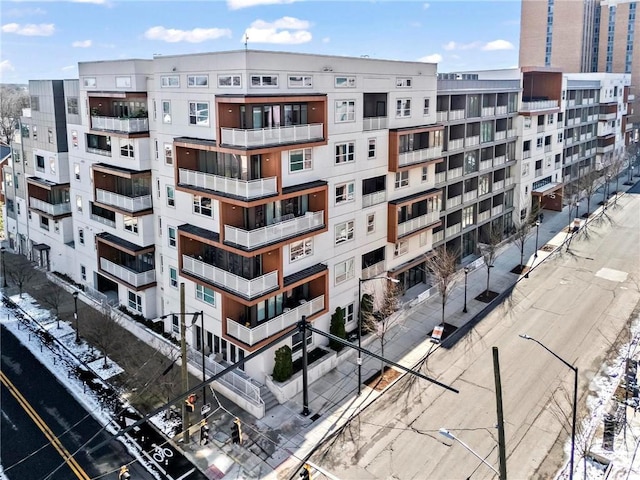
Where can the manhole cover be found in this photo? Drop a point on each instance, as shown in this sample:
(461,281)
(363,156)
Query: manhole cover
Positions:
(315,417)
(547,248)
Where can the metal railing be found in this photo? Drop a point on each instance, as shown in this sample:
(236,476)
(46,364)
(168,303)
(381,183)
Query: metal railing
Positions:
(469,196)
(454,201)
(472,141)
(453,229)
(137,279)
(272,136)
(374,198)
(247,288)
(455,144)
(114,124)
(416,156)
(497,210)
(102,220)
(499,160)
(130,204)
(241,188)
(455,172)
(374,123)
(482,216)
(539,105)
(418,223)
(50,208)
(373,270)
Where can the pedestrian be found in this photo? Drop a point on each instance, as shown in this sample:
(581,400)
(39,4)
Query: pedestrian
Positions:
(541,217)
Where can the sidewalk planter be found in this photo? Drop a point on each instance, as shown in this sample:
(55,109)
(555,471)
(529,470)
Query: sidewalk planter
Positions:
(284,391)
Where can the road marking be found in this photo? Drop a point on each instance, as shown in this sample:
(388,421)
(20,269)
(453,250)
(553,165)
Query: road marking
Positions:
(26,406)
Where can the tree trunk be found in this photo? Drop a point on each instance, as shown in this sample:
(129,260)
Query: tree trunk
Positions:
(488,277)
(382,355)
(522,253)
(443,302)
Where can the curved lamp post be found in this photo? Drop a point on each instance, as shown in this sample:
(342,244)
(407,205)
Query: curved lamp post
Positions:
(575,399)
(466,272)
(4,271)
(446,433)
(75,315)
(535,255)
(360,282)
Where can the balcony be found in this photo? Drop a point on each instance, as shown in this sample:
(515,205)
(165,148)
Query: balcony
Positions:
(99,151)
(137,279)
(441,117)
(501,110)
(501,135)
(485,165)
(488,111)
(541,128)
(456,114)
(454,201)
(470,196)
(438,236)
(472,141)
(454,229)
(547,148)
(228,281)
(102,220)
(129,204)
(418,156)
(497,210)
(374,198)
(289,228)
(373,270)
(374,123)
(50,208)
(509,181)
(455,173)
(247,189)
(441,177)
(605,148)
(252,336)
(499,185)
(262,137)
(124,125)
(484,216)
(456,144)
(607,117)
(539,105)
(512,132)
(418,223)
(499,160)
(526,154)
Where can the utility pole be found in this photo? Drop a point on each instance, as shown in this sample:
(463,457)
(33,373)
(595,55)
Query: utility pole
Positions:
(183,366)
(502,453)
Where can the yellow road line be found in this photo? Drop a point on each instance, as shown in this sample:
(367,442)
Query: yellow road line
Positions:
(64,453)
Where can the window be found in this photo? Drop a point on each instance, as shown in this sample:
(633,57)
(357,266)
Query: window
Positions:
(205,294)
(300,81)
(89,82)
(560,137)
(539,143)
(83,272)
(401,248)
(171,200)
(199,113)
(168,154)
(345,192)
(371,223)
(344,232)
(175,324)
(25,130)
(345,111)
(49,134)
(527,122)
(345,152)
(560,114)
(296,340)
(170,81)
(52,165)
(402,82)
(72,105)
(8,180)
(226,81)
(371,151)
(40,162)
(74,138)
(79,203)
(131,224)
(126,150)
(44,223)
(525,169)
(425,107)
(425,174)
(467,216)
(264,80)
(402,179)
(550,119)
(300,160)
(197,80)
(345,82)
(123,82)
(173,277)
(135,301)
(35,132)
(403,107)
(35,103)
(349,314)
(344,271)
(202,206)
(81,236)
(301,249)
(166,111)
(172,236)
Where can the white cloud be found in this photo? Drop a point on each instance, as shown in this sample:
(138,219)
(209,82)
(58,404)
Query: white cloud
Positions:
(425,6)
(82,44)
(326,40)
(498,45)
(5,66)
(285,30)
(24,12)
(95,2)
(197,35)
(433,58)
(68,67)
(238,4)
(30,29)
(451,45)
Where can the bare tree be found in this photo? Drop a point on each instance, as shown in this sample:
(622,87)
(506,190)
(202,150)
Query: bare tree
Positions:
(53,298)
(442,265)
(588,184)
(489,252)
(380,322)
(617,164)
(12,100)
(103,331)
(21,276)
(520,236)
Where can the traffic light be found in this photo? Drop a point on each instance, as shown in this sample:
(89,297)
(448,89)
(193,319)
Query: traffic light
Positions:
(305,474)
(204,433)
(124,473)
(236,432)
(191,402)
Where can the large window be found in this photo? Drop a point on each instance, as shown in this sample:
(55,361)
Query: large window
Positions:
(205,294)
(264,80)
(345,152)
(72,105)
(135,302)
(345,192)
(168,154)
(202,206)
(403,107)
(170,81)
(402,179)
(301,249)
(345,111)
(166,111)
(171,199)
(344,271)
(344,231)
(227,81)
(300,160)
(199,113)
(197,81)
(172,237)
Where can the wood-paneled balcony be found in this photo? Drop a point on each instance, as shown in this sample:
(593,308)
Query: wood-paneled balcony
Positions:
(51,209)
(125,113)
(415,146)
(264,137)
(246,189)
(413,214)
(124,125)
(128,275)
(126,262)
(48,198)
(127,191)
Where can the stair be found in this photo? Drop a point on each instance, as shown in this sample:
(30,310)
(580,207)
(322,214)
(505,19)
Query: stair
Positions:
(269,399)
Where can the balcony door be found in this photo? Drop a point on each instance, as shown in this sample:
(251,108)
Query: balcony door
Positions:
(266,116)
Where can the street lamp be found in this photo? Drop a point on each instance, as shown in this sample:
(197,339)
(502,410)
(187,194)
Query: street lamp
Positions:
(75,315)
(4,271)
(578,209)
(466,272)
(446,433)
(535,255)
(575,399)
(360,282)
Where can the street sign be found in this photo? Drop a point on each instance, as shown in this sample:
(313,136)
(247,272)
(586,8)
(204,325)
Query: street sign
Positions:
(436,335)
(206,408)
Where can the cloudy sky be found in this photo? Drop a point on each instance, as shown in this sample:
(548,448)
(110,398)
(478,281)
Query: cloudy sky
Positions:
(45,40)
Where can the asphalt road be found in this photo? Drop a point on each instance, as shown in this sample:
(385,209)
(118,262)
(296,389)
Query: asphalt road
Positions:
(33,443)
(577,303)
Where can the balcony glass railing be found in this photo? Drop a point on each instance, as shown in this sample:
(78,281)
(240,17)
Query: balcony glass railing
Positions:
(470,196)
(488,111)
(501,110)
(499,185)
(454,201)
(438,236)
(50,208)
(455,144)
(485,164)
(261,187)
(441,177)
(259,137)
(374,198)
(137,279)
(99,151)
(482,216)
(497,210)
(418,223)
(246,288)
(441,116)
(251,336)
(499,160)
(456,114)
(374,123)
(417,156)
(129,204)
(102,220)
(472,141)
(539,105)
(127,125)
(501,135)
(455,173)
(275,232)
(373,270)
(453,229)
